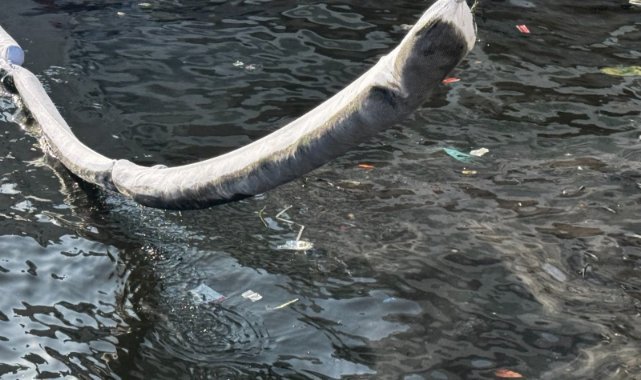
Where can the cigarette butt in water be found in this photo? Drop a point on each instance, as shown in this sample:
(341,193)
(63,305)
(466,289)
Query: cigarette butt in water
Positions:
(286,304)
(469,172)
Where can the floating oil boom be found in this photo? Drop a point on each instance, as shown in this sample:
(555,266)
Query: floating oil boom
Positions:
(392,89)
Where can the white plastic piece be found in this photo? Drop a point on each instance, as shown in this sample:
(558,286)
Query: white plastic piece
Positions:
(296,245)
(252,296)
(205,294)
(479,152)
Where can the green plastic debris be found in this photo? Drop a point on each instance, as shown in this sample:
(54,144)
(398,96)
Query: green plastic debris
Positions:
(457,155)
(622,71)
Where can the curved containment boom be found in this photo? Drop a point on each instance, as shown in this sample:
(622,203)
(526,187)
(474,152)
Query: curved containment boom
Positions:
(398,84)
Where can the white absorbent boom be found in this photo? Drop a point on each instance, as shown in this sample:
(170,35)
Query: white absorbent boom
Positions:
(392,89)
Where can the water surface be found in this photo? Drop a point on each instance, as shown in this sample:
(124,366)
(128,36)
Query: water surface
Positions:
(424,267)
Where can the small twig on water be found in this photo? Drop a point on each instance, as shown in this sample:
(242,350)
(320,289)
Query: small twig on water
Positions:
(298,244)
(260,215)
(302,227)
(286,304)
(474,6)
(584,271)
(282,212)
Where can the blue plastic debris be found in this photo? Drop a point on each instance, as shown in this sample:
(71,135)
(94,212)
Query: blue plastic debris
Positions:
(14,54)
(457,155)
(205,294)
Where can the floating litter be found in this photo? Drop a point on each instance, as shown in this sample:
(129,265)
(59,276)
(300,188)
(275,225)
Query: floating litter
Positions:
(286,304)
(622,71)
(205,294)
(555,272)
(451,80)
(252,296)
(505,373)
(636,2)
(290,245)
(296,245)
(469,172)
(248,67)
(479,152)
(523,29)
(13,54)
(458,155)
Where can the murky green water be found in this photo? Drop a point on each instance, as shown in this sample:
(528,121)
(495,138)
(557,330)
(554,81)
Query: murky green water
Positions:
(527,259)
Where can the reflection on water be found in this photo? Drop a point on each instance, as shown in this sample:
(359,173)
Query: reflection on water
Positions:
(423,267)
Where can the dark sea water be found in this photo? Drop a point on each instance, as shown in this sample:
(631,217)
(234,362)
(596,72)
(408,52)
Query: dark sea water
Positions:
(527,259)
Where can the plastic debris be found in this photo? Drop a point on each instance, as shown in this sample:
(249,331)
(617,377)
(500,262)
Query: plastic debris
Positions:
(243,65)
(451,80)
(504,373)
(622,71)
(635,2)
(296,245)
(479,152)
(523,3)
(205,294)
(13,54)
(523,29)
(457,155)
(469,172)
(286,304)
(555,272)
(9,189)
(144,5)
(290,245)
(120,14)
(252,296)
(366,166)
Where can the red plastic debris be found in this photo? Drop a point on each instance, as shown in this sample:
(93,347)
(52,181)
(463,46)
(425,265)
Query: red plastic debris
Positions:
(523,29)
(505,373)
(366,166)
(451,80)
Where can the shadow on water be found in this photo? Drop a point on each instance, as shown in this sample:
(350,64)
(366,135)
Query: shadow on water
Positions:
(422,268)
